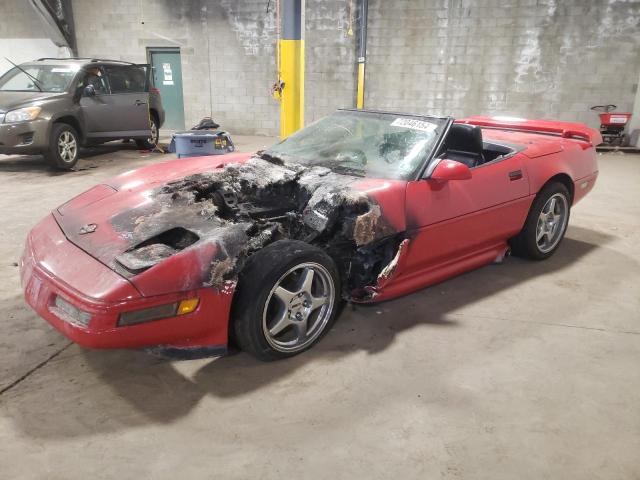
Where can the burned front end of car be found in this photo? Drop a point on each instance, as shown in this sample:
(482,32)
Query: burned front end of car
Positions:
(221,218)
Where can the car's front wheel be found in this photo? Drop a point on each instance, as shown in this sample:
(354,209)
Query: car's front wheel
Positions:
(546,223)
(286,300)
(64,146)
(151,142)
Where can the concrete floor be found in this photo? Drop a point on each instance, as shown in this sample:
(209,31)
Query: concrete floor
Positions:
(519,370)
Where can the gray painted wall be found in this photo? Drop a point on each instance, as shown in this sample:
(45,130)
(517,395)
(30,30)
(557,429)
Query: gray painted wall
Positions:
(531,58)
(536,58)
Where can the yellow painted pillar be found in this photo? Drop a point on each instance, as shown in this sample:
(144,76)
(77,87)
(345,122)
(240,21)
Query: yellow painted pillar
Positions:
(363,9)
(360,92)
(292,66)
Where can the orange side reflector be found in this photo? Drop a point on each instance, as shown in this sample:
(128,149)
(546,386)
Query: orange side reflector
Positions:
(187,306)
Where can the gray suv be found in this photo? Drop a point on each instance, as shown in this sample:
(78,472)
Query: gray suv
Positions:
(53,106)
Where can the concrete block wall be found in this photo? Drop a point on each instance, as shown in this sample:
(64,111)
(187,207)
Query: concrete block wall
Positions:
(227,52)
(330,49)
(536,58)
(531,58)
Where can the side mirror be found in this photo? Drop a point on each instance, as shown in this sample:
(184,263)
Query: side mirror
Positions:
(89,91)
(451,170)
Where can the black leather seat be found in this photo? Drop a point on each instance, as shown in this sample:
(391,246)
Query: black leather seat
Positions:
(463,144)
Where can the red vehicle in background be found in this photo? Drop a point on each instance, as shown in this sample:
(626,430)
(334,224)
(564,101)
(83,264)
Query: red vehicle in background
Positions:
(188,255)
(613,124)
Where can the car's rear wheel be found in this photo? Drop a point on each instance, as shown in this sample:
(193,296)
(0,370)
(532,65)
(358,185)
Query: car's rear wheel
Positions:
(286,300)
(64,146)
(151,142)
(546,224)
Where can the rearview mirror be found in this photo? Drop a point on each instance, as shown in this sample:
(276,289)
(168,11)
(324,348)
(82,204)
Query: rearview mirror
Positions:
(89,91)
(451,170)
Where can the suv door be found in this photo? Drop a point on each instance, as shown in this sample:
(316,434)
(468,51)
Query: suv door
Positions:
(96,107)
(129,87)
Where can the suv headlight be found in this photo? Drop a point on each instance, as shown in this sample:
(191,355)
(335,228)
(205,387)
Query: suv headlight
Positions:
(22,114)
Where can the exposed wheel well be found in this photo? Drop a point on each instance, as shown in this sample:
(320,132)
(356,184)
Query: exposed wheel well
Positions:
(564,179)
(72,121)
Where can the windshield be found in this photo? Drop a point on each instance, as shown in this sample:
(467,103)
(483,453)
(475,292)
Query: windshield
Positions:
(46,78)
(371,144)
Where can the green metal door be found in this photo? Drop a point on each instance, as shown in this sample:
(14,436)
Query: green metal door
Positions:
(167,77)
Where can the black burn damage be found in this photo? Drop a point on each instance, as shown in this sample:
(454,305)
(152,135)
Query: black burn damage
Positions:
(230,213)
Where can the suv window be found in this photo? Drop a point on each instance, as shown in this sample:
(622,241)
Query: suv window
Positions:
(95,77)
(48,78)
(126,79)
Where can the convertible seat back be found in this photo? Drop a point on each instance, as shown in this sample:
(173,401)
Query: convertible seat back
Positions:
(463,144)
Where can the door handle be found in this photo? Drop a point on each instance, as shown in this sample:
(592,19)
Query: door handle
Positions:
(515,175)
(140,102)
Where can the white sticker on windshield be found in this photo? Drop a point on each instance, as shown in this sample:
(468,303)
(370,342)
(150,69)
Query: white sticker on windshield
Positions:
(61,70)
(414,124)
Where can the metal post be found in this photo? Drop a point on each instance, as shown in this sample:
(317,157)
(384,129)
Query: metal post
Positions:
(292,66)
(362,50)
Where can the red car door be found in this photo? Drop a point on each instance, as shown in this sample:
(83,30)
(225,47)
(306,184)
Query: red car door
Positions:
(455,222)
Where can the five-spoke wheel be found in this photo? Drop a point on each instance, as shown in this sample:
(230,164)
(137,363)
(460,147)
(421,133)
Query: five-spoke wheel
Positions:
(546,223)
(552,222)
(286,298)
(298,307)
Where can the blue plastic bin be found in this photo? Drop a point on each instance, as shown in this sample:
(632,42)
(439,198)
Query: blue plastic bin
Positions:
(199,143)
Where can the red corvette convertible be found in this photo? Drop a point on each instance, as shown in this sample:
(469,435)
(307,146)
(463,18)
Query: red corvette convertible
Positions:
(185,256)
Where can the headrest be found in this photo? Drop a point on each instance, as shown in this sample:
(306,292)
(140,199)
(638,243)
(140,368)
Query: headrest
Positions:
(464,138)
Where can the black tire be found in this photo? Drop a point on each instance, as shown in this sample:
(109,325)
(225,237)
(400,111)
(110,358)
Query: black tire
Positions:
(151,142)
(58,156)
(255,297)
(526,243)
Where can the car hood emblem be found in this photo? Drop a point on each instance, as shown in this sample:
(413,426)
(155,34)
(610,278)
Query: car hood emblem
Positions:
(88,228)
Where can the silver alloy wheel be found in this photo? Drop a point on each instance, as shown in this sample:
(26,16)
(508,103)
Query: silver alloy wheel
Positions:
(298,307)
(67,147)
(552,222)
(153,139)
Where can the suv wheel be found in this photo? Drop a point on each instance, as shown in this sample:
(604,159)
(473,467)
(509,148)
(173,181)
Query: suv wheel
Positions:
(64,147)
(151,142)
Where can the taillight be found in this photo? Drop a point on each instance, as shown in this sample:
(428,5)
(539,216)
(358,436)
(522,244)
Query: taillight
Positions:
(154,90)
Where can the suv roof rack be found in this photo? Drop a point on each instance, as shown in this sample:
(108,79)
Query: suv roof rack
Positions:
(86,58)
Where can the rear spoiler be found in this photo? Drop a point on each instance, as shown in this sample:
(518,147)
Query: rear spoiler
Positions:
(578,131)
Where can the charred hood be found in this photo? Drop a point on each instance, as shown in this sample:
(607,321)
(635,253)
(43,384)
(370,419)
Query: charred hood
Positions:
(208,223)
